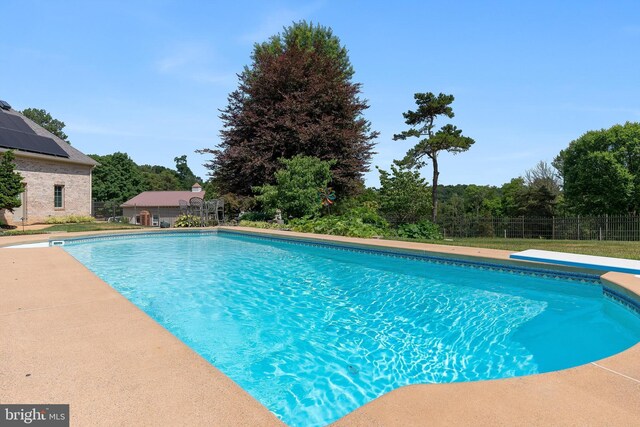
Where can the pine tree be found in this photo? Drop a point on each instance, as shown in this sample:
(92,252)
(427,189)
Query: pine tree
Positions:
(10,182)
(448,138)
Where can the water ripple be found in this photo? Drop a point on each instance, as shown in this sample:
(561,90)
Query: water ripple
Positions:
(313,333)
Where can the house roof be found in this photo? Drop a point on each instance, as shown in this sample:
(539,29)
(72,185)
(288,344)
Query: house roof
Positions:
(161,198)
(29,139)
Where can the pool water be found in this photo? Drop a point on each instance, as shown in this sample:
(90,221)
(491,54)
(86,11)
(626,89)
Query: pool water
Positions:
(314,332)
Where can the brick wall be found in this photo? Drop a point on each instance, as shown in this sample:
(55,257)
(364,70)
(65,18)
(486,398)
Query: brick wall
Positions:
(41,177)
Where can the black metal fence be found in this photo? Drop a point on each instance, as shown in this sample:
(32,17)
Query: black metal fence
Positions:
(105,210)
(605,227)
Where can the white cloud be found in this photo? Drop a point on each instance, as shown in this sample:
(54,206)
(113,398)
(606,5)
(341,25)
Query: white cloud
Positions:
(176,60)
(194,61)
(124,130)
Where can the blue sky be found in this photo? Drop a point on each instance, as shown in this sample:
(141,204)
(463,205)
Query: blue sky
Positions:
(148,77)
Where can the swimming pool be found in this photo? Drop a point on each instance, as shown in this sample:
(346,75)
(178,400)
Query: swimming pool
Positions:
(314,332)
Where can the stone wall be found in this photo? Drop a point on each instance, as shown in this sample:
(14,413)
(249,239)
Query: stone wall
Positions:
(40,177)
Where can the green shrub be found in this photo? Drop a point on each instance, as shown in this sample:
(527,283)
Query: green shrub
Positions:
(342,225)
(70,219)
(263,225)
(404,196)
(256,216)
(187,221)
(425,230)
(295,191)
(362,221)
(368,214)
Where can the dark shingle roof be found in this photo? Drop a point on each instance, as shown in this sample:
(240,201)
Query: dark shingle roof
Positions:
(13,123)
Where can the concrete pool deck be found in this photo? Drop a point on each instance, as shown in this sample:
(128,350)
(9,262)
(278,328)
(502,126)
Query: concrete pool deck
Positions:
(68,337)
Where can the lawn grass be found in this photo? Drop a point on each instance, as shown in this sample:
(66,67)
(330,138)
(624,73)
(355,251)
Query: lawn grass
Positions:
(17,232)
(85,226)
(629,250)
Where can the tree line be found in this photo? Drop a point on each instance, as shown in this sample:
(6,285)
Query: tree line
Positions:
(118,178)
(294,131)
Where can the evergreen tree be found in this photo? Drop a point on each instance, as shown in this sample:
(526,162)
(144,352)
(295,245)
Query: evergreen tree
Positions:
(296,98)
(10,182)
(448,138)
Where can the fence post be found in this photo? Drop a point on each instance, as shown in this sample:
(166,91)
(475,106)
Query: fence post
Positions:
(523,226)
(578,227)
(606,226)
(553,228)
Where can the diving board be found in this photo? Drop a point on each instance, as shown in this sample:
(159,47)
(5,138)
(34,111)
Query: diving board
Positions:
(575,260)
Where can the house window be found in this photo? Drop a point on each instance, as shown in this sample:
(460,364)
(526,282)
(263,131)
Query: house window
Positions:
(58,196)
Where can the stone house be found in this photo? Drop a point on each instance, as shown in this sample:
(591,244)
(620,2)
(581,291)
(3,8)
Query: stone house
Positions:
(57,177)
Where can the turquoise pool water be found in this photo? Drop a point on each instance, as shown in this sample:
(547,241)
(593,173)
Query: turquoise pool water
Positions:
(314,332)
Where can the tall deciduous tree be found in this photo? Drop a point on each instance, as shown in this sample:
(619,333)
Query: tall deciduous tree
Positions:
(296,98)
(448,138)
(117,178)
(10,182)
(44,119)
(601,171)
(543,190)
(185,174)
(160,178)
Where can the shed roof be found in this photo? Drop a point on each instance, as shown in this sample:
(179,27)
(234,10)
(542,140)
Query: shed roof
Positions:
(161,198)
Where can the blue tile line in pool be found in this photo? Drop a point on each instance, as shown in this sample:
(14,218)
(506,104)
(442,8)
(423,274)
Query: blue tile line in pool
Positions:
(582,277)
(622,299)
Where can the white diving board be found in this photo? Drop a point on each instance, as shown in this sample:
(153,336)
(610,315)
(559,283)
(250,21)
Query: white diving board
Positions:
(584,261)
